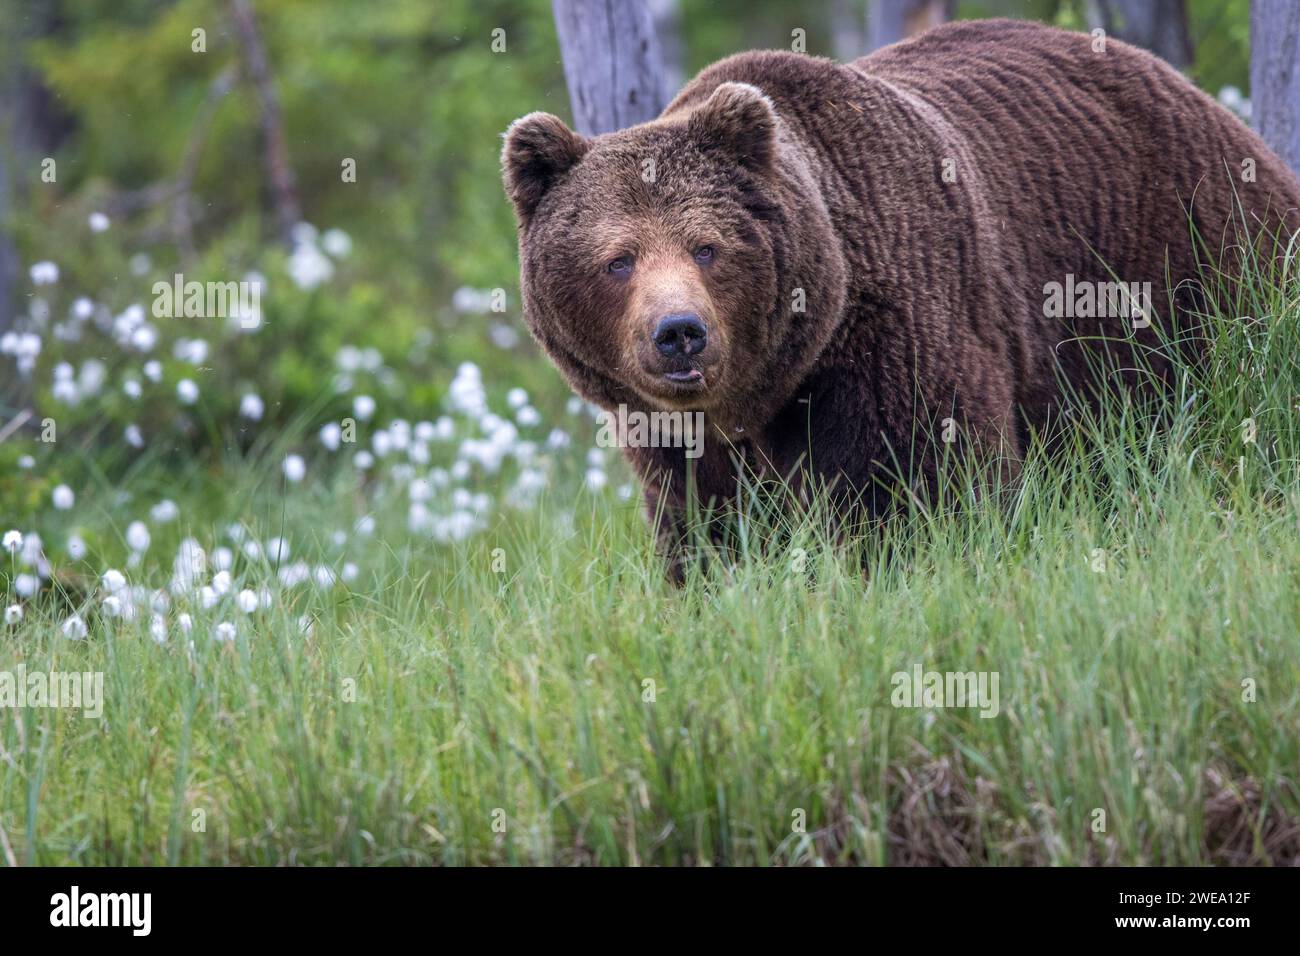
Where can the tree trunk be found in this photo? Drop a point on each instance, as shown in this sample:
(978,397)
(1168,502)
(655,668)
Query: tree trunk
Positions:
(1275,76)
(284,194)
(32,125)
(889,21)
(611,63)
(667,18)
(848,30)
(1156,25)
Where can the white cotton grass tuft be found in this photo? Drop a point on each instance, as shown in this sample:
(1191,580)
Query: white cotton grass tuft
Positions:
(247,601)
(137,536)
(295,469)
(252,407)
(44,273)
(63,498)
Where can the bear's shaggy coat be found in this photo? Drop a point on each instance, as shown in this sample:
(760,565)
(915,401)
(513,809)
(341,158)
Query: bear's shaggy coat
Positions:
(871,246)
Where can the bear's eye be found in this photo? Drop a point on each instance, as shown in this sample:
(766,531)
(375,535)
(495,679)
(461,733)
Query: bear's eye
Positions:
(621,267)
(704,255)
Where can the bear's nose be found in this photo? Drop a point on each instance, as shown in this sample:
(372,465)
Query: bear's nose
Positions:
(681,334)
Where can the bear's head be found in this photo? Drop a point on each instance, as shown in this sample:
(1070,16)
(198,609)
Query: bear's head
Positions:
(683,264)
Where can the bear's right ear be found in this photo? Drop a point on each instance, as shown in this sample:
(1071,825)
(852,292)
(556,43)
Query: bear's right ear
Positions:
(740,120)
(539,149)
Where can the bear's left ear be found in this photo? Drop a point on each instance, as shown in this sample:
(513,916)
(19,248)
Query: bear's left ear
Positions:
(539,149)
(739,119)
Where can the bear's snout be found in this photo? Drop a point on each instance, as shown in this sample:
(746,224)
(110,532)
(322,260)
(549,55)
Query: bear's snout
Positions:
(682,333)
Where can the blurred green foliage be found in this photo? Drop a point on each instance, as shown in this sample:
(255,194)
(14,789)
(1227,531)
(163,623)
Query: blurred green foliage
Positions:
(409,89)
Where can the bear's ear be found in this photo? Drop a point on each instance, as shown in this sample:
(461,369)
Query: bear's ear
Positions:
(740,120)
(539,149)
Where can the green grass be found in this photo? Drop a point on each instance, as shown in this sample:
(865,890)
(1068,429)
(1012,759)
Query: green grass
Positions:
(467,705)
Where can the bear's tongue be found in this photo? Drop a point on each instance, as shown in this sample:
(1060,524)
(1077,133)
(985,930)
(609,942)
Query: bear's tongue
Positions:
(687,375)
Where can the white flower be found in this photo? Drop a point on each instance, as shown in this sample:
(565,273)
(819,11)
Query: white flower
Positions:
(324,576)
(291,575)
(222,582)
(144,338)
(76,548)
(247,601)
(308,266)
(294,468)
(45,273)
(194,351)
(595,479)
(528,416)
(132,389)
(74,628)
(330,436)
(153,370)
(63,498)
(184,622)
(83,308)
(187,391)
(164,511)
(363,460)
(251,407)
(13,614)
(225,631)
(516,398)
(13,541)
(98,222)
(306,626)
(191,561)
(32,549)
(113,581)
(336,242)
(350,572)
(365,526)
(158,628)
(134,437)
(137,536)
(208,596)
(277,549)
(26,585)
(466,392)
(363,406)
(26,462)
(222,558)
(113,606)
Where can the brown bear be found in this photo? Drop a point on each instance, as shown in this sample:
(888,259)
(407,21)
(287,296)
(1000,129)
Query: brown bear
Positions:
(834,262)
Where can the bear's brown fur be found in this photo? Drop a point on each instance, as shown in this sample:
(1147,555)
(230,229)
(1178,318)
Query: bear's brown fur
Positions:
(916,202)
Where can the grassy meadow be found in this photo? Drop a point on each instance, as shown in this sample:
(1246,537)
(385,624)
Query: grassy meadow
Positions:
(387,661)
